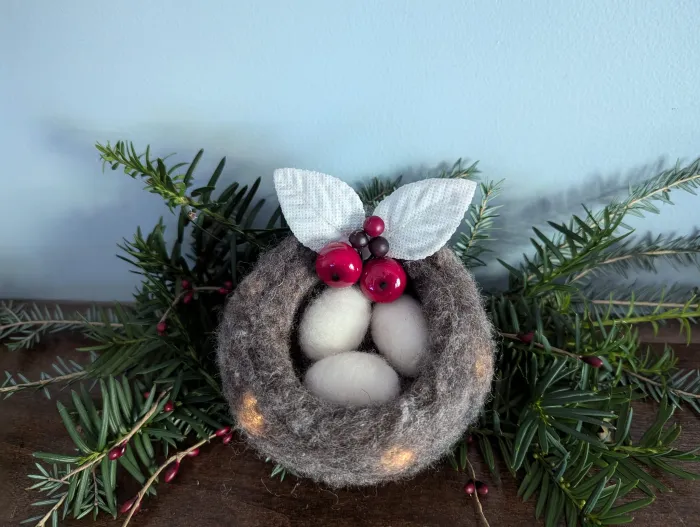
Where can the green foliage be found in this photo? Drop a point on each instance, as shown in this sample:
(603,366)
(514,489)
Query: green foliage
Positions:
(558,425)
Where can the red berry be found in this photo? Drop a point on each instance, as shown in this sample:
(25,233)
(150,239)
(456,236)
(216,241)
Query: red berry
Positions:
(188,297)
(470,439)
(469,488)
(186,284)
(146,395)
(595,362)
(126,507)
(223,431)
(227,438)
(383,280)
(482,488)
(161,327)
(526,337)
(193,453)
(117,452)
(228,284)
(172,472)
(169,406)
(338,265)
(223,291)
(374,226)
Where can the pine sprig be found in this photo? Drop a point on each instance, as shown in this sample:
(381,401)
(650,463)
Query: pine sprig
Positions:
(479,222)
(68,372)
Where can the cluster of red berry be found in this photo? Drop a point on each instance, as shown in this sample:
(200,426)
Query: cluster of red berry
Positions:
(339,264)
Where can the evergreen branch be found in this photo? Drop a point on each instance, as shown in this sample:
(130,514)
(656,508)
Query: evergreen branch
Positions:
(72,324)
(44,382)
(175,458)
(674,391)
(52,511)
(181,296)
(377,189)
(479,220)
(631,303)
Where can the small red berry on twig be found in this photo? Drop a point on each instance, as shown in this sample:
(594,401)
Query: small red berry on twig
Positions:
(469,488)
(227,438)
(188,297)
(526,337)
(186,284)
(172,472)
(482,488)
(126,507)
(193,453)
(221,432)
(228,284)
(594,362)
(223,291)
(117,452)
(169,406)
(146,395)
(161,328)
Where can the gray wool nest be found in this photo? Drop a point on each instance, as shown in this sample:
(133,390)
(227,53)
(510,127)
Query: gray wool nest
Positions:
(343,446)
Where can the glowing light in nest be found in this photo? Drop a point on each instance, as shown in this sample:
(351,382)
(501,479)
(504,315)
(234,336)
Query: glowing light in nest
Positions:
(250,419)
(396,459)
(482,367)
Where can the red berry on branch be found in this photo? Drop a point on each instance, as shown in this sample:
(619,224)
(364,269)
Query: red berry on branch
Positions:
(193,453)
(172,472)
(186,284)
(374,226)
(228,284)
(526,337)
(223,291)
(469,488)
(146,395)
(227,439)
(470,439)
(161,327)
(223,431)
(383,280)
(594,362)
(117,452)
(126,507)
(338,265)
(482,488)
(188,297)
(169,406)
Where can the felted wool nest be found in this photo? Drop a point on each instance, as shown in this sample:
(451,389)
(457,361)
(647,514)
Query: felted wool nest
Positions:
(343,446)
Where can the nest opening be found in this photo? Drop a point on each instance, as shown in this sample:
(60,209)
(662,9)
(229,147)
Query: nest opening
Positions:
(262,365)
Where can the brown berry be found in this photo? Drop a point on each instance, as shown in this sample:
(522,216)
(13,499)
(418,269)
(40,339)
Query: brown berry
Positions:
(379,246)
(358,240)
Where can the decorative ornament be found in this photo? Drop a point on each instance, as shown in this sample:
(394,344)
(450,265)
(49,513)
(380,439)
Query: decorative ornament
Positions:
(349,418)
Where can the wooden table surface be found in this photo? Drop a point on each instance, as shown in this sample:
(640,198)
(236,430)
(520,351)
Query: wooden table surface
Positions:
(230,485)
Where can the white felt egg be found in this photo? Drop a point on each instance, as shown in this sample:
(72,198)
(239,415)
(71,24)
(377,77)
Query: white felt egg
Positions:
(337,320)
(400,333)
(353,378)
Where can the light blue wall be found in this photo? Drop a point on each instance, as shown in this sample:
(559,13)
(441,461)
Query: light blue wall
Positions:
(547,94)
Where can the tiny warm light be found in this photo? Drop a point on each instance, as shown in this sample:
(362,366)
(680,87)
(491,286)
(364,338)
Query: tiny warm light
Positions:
(396,459)
(249,417)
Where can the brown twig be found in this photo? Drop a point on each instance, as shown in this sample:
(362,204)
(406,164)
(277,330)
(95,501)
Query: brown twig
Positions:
(570,355)
(61,322)
(627,257)
(174,458)
(477,503)
(43,382)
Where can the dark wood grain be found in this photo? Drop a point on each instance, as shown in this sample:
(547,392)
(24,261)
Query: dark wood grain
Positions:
(230,485)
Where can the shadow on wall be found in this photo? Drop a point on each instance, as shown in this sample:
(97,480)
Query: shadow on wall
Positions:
(80,237)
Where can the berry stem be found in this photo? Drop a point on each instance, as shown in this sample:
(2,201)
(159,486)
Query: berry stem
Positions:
(175,458)
(182,295)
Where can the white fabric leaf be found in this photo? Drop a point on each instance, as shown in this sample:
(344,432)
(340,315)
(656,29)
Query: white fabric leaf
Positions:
(421,217)
(318,208)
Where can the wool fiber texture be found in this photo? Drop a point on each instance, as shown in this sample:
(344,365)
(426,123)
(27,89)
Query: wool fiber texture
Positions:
(362,445)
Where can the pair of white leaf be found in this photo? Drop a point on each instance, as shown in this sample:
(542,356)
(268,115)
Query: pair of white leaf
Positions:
(419,218)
